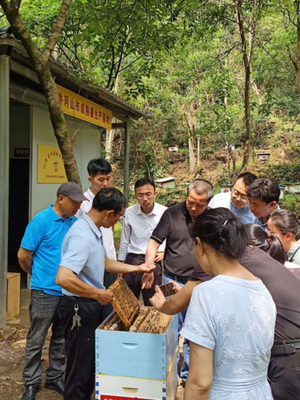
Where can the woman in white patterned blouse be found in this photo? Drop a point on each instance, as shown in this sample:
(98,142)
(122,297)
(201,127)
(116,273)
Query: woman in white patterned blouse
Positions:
(231,318)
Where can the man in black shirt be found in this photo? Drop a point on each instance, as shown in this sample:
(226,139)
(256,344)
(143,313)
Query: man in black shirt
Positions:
(284,367)
(179,260)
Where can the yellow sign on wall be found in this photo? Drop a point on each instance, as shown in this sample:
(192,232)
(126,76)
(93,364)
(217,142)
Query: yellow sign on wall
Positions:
(81,108)
(50,165)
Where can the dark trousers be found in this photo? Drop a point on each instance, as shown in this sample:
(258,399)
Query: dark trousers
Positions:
(284,377)
(42,313)
(134,280)
(80,346)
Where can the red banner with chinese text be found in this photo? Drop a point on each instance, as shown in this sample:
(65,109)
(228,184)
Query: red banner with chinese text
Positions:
(81,108)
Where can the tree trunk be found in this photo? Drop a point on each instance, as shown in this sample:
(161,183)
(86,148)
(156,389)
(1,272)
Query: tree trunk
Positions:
(228,166)
(191,129)
(58,121)
(39,59)
(111,134)
(192,157)
(198,152)
(247,66)
(257,94)
(109,142)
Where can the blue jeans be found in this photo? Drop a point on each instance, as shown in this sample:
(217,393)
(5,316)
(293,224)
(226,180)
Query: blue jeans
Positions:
(186,344)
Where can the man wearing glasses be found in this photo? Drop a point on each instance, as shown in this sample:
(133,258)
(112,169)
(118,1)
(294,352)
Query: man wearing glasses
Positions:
(179,259)
(139,222)
(237,200)
(81,277)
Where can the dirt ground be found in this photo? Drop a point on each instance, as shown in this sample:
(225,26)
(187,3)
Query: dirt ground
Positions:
(12,358)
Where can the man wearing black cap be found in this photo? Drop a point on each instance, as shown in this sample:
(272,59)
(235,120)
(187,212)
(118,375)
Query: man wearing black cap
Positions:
(39,256)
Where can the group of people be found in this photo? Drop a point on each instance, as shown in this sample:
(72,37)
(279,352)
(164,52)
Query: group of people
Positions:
(241,326)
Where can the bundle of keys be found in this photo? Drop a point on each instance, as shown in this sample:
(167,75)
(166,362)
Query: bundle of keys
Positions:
(76,318)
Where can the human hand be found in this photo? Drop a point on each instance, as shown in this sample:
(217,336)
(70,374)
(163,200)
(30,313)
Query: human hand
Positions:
(147,280)
(146,268)
(159,256)
(176,286)
(104,296)
(158,300)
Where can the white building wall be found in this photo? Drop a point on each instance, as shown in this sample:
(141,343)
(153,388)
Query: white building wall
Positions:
(87,146)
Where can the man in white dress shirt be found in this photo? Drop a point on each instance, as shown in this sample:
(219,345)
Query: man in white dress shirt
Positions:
(139,222)
(236,201)
(100,176)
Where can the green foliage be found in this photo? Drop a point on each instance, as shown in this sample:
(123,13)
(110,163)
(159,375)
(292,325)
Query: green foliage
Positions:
(291,202)
(282,173)
(118,231)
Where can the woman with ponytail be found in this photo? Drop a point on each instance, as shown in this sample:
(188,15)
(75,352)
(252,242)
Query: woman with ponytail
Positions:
(231,318)
(258,237)
(284,225)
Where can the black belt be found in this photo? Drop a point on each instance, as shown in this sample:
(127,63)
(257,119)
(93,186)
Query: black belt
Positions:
(176,278)
(285,348)
(76,299)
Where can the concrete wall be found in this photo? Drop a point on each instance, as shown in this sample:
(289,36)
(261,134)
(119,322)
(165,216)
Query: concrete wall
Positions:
(87,146)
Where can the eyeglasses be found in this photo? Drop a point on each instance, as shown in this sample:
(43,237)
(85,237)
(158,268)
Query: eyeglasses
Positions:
(142,195)
(121,215)
(236,193)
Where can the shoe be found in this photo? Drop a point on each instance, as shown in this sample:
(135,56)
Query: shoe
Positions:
(30,392)
(58,386)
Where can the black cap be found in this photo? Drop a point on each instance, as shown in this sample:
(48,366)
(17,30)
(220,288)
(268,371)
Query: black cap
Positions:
(71,190)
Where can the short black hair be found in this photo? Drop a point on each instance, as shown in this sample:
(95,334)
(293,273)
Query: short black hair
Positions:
(109,199)
(98,166)
(144,181)
(264,189)
(248,178)
(222,231)
(258,237)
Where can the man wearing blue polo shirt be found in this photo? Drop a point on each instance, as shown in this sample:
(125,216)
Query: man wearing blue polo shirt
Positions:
(39,256)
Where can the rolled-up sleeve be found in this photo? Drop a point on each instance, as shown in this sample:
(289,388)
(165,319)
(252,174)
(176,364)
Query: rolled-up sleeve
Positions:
(199,326)
(75,253)
(162,230)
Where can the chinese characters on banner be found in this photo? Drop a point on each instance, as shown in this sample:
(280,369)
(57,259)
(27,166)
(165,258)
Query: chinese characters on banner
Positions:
(50,165)
(81,108)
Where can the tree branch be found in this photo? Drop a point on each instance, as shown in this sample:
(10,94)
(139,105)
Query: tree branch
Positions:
(16,4)
(56,31)
(74,136)
(20,31)
(111,67)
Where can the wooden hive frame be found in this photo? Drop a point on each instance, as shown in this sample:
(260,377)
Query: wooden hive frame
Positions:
(124,303)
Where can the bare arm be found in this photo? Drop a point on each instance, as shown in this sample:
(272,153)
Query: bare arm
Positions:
(151,251)
(68,280)
(25,259)
(200,375)
(122,268)
(176,303)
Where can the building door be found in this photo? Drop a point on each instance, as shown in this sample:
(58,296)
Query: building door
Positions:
(18,211)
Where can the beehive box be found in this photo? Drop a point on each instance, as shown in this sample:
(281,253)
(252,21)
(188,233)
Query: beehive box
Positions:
(124,388)
(137,354)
